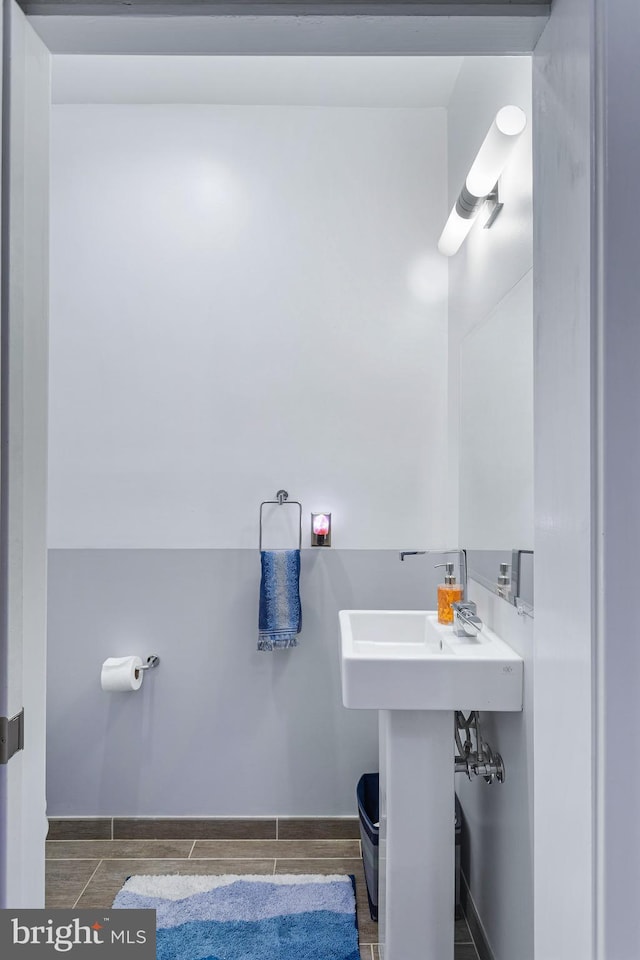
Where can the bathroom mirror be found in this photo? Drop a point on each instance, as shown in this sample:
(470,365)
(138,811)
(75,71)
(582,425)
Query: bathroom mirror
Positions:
(496,427)
(483,566)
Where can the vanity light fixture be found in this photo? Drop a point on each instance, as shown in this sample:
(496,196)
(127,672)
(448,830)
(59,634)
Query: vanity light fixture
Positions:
(320,529)
(481,185)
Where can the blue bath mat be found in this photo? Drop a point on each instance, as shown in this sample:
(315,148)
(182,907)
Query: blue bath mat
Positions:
(280,917)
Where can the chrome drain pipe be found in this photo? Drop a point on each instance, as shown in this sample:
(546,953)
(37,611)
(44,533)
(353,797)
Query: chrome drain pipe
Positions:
(478,762)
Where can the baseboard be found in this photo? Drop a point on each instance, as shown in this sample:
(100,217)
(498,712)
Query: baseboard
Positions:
(475,923)
(204,828)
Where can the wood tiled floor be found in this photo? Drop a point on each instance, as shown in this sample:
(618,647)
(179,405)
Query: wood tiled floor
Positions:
(89,873)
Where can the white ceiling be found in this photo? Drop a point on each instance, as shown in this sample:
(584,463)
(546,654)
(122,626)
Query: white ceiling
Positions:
(312,81)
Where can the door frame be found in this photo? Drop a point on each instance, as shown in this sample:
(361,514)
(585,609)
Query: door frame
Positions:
(23,430)
(563,79)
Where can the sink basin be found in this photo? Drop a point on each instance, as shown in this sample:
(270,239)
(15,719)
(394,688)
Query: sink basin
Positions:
(406,660)
(416,672)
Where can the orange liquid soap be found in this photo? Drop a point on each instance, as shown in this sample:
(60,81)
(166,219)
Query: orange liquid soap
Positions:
(448,594)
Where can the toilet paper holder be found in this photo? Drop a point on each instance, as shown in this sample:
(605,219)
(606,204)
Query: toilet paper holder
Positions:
(152,661)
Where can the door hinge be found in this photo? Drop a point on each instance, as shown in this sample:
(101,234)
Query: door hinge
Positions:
(11,736)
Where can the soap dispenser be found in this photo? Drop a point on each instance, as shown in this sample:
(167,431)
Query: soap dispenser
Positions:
(503,587)
(449,593)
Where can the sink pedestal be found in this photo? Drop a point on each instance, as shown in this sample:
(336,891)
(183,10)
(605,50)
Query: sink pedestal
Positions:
(417,835)
(416,673)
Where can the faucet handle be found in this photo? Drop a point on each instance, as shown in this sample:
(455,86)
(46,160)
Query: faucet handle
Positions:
(466,622)
(465,606)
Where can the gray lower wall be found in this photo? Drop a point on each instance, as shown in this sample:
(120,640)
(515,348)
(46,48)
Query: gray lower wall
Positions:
(218,729)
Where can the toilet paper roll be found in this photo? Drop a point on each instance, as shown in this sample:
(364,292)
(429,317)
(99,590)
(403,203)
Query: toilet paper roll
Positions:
(121,673)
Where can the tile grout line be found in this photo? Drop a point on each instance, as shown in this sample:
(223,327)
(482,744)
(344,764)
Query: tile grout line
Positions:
(112,828)
(277,828)
(192,849)
(86,885)
(275,864)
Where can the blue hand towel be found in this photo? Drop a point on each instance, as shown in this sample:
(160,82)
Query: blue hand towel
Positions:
(280,617)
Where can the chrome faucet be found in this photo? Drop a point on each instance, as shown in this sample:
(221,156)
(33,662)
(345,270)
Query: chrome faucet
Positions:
(462,554)
(466,622)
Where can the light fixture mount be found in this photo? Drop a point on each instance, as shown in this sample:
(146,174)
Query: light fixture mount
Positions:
(495,204)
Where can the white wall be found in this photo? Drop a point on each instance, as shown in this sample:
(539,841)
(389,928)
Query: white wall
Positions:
(564,403)
(619,654)
(499,818)
(491,265)
(246,298)
(242,299)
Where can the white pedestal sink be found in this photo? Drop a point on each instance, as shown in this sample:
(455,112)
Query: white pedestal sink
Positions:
(416,673)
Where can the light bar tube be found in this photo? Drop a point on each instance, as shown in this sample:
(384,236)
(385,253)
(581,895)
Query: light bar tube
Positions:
(485,172)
